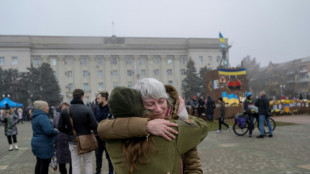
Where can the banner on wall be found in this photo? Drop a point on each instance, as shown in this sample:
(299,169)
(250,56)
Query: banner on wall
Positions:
(232,72)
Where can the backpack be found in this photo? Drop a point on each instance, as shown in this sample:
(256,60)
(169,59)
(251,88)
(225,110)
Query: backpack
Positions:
(240,120)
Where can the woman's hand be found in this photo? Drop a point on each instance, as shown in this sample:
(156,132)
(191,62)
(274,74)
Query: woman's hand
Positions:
(161,127)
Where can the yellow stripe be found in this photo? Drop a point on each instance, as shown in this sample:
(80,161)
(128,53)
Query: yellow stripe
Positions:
(222,40)
(232,73)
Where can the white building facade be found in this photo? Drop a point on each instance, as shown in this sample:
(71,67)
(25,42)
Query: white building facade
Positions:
(102,63)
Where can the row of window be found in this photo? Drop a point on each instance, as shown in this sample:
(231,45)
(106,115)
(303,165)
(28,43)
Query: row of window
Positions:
(14,60)
(101,87)
(130,73)
(114,60)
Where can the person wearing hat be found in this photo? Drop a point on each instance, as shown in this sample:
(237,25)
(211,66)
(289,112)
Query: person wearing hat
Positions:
(43,137)
(10,120)
(194,104)
(221,115)
(248,102)
(151,153)
(61,144)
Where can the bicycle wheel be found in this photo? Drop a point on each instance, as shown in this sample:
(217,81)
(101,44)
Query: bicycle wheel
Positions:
(241,131)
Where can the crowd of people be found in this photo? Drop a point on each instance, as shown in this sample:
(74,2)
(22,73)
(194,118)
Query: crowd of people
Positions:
(145,128)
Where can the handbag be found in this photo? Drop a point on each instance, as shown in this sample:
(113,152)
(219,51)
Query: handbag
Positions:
(85,143)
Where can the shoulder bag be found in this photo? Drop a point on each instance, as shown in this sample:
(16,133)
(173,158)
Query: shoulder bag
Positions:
(85,143)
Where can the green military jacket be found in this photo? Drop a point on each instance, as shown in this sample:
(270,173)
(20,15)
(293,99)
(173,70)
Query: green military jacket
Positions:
(167,156)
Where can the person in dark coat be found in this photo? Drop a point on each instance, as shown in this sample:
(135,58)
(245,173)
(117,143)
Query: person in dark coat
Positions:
(210,108)
(102,112)
(201,106)
(194,104)
(10,120)
(43,137)
(263,109)
(62,146)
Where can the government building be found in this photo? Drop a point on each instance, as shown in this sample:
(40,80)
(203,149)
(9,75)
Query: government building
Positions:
(102,63)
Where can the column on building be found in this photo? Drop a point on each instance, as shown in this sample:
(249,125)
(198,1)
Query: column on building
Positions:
(93,83)
(107,81)
(122,76)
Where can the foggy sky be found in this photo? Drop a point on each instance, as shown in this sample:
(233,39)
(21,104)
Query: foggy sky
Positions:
(270,30)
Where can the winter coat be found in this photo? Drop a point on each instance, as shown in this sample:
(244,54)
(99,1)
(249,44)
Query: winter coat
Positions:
(43,137)
(222,110)
(167,154)
(10,124)
(210,106)
(122,128)
(62,146)
(263,105)
(83,119)
(247,102)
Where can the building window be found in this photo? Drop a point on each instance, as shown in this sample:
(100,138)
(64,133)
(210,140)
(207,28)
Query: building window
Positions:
(143,73)
(99,61)
(142,60)
(156,72)
(170,82)
(100,86)
(53,61)
(129,73)
(169,59)
(129,85)
(156,59)
(2,61)
(85,73)
(69,60)
(55,74)
(201,59)
(128,60)
(114,60)
(85,87)
(100,74)
(69,74)
(182,71)
(36,62)
(70,87)
(182,60)
(14,61)
(210,58)
(114,73)
(169,72)
(84,61)
(115,84)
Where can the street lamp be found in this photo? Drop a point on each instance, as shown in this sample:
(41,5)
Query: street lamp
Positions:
(3,95)
(281,88)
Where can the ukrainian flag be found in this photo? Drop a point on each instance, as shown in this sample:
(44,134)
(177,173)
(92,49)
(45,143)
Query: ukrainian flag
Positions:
(221,38)
(228,72)
(230,99)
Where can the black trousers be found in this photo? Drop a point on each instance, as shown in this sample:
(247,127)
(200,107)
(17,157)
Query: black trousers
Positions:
(221,121)
(10,139)
(63,169)
(42,166)
(99,153)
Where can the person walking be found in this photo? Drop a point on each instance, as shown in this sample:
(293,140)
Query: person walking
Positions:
(201,106)
(222,115)
(20,115)
(102,112)
(210,109)
(62,146)
(10,120)
(84,122)
(263,111)
(43,137)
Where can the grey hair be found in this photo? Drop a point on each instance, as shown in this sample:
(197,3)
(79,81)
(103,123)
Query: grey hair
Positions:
(262,93)
(151,88)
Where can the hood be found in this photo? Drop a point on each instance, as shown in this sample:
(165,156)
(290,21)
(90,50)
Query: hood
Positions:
(173,93)
(37,112)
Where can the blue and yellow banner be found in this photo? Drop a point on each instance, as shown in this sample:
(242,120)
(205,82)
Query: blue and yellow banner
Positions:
(230,98)
(227,72)
(222,41)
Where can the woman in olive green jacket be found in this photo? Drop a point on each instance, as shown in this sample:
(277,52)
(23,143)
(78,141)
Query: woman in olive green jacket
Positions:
(151,154)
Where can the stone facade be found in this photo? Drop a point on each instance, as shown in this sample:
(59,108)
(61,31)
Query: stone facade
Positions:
(101,63)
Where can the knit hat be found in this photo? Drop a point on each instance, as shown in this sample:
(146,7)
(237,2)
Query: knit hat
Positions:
(40,104)
(125,102)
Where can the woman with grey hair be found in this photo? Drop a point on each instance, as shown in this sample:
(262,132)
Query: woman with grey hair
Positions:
(164,103)
(43,137)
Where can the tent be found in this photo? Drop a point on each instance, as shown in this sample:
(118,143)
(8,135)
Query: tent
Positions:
(10,103)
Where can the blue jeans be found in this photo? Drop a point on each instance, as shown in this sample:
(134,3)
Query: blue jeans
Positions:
(262,119)
(210,117)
